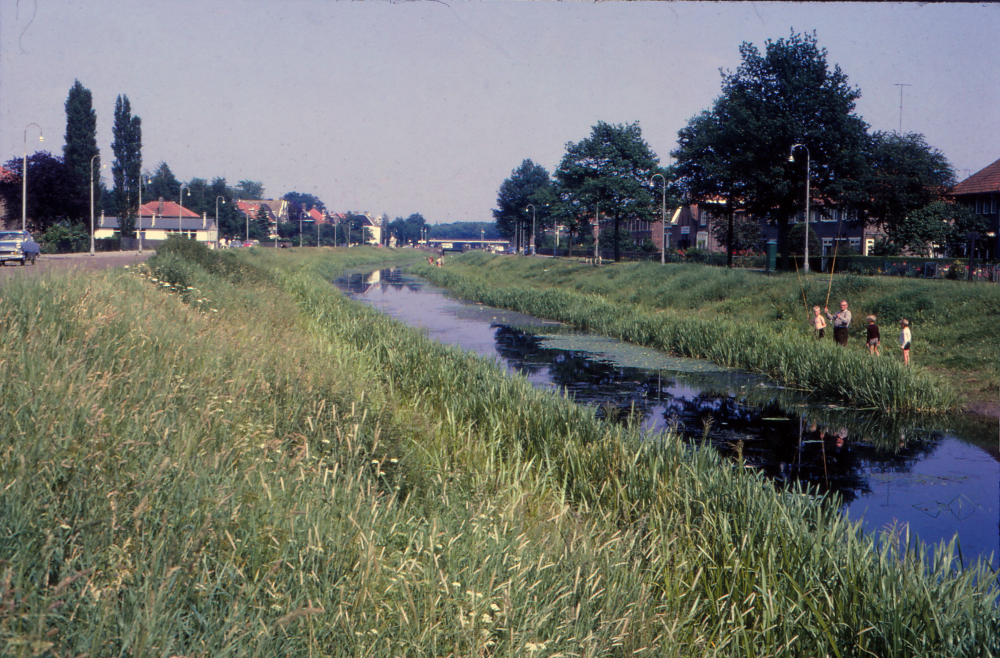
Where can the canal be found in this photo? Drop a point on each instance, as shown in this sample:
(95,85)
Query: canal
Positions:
(934,477)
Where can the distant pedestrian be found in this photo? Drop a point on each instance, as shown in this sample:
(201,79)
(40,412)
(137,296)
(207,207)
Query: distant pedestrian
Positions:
(841,323)
(904,340)
(818,323)
(874,338)
(440,261)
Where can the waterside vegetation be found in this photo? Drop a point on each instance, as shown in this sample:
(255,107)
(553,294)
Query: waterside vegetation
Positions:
(734,318)
(220,455)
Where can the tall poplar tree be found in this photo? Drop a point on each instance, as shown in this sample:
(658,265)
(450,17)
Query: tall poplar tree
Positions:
(127,167)
(81,140)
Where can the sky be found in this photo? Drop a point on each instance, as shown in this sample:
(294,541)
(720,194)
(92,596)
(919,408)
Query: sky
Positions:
(426,107)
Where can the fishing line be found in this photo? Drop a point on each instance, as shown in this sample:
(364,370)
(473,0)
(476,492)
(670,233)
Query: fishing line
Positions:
(802,288)
(833,266)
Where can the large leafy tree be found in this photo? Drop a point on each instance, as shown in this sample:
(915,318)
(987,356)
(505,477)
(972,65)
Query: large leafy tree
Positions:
(81,141)
(528,184)
(127,167)
(52,192)
(788,95)
(906,175)
(612,169)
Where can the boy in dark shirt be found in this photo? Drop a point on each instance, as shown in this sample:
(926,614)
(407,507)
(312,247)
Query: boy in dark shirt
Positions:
(873,337)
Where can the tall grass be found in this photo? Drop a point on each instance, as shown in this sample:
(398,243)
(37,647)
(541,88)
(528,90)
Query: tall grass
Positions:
(265,468)
(951,320)
(821,368)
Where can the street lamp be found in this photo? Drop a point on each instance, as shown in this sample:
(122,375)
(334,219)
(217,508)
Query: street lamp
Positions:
(805,251)
(300,229)
(92,201)
(663,219)
(180,208)
(24,176)
(217,218)
(139,214)
(532,206)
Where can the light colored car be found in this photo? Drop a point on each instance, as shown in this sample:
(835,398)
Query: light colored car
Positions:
(18,245)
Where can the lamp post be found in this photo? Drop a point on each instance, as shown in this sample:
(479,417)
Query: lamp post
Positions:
(532,206)
(217,218)
(24,176)
(805,249)
(139,214)
(482,234)
(92,202)
(180,208)
(663,219)
(300,229)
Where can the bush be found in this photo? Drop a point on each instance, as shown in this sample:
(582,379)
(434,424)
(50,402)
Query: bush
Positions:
(61,239)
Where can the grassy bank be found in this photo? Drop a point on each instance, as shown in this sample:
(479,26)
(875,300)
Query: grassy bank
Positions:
(752,321)
(223,456)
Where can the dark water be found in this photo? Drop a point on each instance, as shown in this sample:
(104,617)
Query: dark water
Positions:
(935,476)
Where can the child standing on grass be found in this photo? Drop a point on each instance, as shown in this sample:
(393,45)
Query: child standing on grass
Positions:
(874,338)
(904,340)
(819,323)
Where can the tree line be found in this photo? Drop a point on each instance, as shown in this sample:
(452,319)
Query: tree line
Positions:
(780,111)
(61,189)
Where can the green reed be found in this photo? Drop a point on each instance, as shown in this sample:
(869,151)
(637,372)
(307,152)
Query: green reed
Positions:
(788,356)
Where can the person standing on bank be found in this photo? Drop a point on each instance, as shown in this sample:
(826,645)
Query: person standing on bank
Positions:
(904,340)
(841,323)
(874,337)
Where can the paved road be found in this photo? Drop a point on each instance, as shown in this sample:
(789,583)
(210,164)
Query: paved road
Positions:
(57,262)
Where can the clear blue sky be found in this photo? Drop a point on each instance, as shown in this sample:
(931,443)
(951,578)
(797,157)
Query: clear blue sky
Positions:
(428,106)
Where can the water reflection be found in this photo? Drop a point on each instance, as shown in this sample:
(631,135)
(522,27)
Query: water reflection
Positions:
(937,474)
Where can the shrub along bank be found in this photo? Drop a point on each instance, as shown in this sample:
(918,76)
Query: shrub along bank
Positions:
(223,456)
(758,322)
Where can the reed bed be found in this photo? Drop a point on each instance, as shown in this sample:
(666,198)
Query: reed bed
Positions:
(788,356)
(249,464)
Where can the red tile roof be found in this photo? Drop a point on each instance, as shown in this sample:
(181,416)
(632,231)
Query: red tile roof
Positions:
(170,209)
(981,182)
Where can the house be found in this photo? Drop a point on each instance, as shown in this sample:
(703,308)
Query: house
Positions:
(275,209)
(160,219)
(691,227)
(981,192)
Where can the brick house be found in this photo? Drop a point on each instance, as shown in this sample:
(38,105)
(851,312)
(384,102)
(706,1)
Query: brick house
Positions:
(981,192)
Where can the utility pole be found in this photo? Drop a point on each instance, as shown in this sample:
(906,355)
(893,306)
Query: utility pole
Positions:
(901,85)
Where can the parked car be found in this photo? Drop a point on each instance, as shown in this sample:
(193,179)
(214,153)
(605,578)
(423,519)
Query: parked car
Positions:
(18,245)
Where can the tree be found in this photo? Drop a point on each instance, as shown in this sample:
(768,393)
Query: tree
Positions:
(163,184)
(306,201)
(52,192)
(249,189)
(127,167)
(905,176)
(260,227)
(81,140)
(785,97)
(409,229)
(611,168)
(742,233)
(528,184)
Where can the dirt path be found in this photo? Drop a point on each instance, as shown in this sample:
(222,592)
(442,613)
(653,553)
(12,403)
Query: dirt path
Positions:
(57,262)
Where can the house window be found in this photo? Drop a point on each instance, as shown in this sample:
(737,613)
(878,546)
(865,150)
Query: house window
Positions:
(869,246)
(703,239)
(827,246)
(855,244)
(704,218)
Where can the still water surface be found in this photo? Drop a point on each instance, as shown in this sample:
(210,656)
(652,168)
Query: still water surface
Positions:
(935,476)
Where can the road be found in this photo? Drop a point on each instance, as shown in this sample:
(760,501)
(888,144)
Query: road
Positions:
(58,262)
